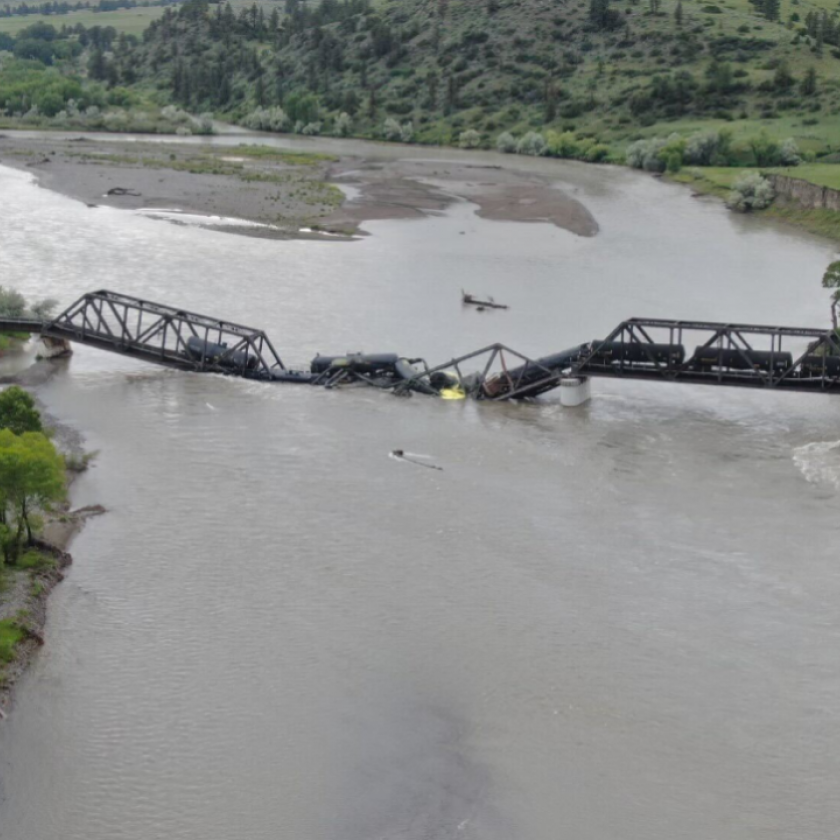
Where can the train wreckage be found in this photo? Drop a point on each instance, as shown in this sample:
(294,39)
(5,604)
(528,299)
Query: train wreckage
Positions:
(741,355)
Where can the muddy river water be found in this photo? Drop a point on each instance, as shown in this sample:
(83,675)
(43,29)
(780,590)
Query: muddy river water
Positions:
(618,622)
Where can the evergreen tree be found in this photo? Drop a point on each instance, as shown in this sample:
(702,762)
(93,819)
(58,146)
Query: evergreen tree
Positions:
(771,9)
(808,85)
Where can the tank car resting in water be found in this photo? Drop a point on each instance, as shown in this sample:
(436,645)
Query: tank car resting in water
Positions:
(218,354)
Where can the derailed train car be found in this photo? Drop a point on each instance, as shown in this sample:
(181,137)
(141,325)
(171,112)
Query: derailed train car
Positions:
(218,354)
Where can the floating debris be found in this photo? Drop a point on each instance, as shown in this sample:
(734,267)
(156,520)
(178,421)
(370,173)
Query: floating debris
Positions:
(408,457)
(467,298)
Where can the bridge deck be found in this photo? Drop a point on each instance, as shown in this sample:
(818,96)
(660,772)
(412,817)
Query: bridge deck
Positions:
(734,355)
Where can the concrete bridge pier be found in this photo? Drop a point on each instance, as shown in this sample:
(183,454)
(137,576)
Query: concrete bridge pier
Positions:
(574,391)
(55,348)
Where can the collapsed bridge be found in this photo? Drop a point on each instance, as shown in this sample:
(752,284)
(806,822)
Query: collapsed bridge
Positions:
(697,352)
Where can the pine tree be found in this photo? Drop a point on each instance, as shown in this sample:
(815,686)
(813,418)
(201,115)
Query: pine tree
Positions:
(678,14)
(771,9)
(808,85)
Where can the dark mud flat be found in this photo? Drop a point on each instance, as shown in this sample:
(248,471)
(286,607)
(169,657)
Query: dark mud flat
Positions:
(282,193)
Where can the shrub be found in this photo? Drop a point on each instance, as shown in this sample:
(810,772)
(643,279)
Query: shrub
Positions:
(750,192)
(506,143)
(597,153)
(533,143)
(267,119)
(174,115)
(765,150)
(656,154)
(116,121)
(563,145)
(645,154)
(701,149)
(789,153)
(205,124)
(469,139)
(311,129)
(407,132)
(344,124)
(391,129)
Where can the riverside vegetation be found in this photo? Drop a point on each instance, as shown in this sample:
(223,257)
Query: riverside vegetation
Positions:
(32,481)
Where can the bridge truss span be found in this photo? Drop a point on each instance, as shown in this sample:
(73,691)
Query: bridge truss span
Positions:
(702,352)
(166,336)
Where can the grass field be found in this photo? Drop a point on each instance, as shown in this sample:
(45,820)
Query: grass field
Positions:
(130,21)
(719,180)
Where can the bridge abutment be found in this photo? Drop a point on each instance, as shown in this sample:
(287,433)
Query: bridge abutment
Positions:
(55,348)
(574,392)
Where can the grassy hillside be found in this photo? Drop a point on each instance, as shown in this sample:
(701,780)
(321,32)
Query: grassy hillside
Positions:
(613,70)
(130,21)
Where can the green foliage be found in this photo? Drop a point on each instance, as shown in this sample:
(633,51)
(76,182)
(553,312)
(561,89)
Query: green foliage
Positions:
(12,303)
(36,561)
(831,280)
(469,139)
(18,412)
(31,478)
(10,635)
(506,143)
(750,192)
(532,143)
(708,148)
(789,153)
(765,150)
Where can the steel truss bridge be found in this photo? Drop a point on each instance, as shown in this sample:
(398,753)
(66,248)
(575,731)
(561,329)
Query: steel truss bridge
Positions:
(697,352)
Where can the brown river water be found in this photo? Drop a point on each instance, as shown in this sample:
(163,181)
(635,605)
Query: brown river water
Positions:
(618,622)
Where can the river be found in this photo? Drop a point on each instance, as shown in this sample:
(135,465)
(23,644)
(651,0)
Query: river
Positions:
(618,621)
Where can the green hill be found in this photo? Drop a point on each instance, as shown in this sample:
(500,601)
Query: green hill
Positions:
(596,73)
(613,70)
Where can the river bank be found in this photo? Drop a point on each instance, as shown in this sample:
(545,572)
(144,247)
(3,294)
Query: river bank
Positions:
(25,590)
(718,182)
(261,190)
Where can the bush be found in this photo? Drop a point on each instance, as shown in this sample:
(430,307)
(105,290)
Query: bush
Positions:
(656,154)
(267,119)
(597,153)
(563,145)
(700,148)
(533,143)
(391,130)
(469,139)
(311,129)
(644,154)
(407,132)
(765,150)
(18,412)
(789,153)
(343,124)
(205,124)
(750,192)
(506,143)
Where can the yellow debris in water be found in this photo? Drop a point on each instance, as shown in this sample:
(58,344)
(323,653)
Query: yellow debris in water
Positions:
(454,393)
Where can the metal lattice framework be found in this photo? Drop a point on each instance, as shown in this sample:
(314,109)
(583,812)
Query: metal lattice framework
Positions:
(166,336)
(742,355)
(503,373)
(791,358)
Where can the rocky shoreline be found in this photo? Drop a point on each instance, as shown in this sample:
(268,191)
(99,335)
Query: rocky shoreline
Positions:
(27,592)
